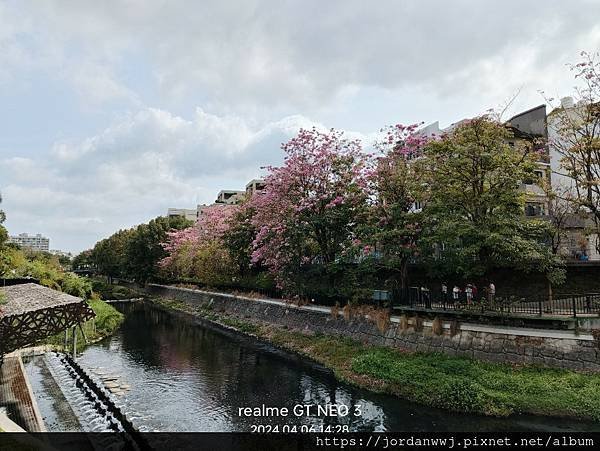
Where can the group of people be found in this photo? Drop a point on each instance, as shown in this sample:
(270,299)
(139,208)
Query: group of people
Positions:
(470,292)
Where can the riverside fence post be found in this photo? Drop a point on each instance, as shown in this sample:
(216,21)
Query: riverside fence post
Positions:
(574,307)
(539,306)
(74,342)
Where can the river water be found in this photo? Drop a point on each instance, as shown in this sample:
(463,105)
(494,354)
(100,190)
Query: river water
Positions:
(185,376)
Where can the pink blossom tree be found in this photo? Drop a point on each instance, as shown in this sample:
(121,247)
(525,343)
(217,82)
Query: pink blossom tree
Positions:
(198,252)
(310,208)
(399,195)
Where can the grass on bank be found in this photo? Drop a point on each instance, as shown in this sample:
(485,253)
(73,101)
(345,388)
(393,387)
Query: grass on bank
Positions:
(455,383)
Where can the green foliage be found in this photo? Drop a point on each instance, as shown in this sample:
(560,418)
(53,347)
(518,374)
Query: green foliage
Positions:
(475,203)
(108,319)
(109,255)
(111,291)
(239,236)
(144,250)
(83,260)
(133,253)
(45,268)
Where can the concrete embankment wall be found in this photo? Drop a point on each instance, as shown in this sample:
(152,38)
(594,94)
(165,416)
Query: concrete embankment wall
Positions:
(551,348)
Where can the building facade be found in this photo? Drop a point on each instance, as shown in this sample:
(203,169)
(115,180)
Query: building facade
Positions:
(580,241)
(186,213)
(33,242)
(230,197)
(225,197)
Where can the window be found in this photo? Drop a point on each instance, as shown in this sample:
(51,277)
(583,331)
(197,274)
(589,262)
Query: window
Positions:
(534,209)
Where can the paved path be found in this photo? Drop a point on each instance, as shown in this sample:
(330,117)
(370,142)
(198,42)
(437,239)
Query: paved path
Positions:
(16,396)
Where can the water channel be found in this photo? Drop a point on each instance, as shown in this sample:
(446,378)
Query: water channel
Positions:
(185,376)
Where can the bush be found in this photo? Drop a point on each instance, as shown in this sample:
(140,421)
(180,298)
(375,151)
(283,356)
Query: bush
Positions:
(460,395)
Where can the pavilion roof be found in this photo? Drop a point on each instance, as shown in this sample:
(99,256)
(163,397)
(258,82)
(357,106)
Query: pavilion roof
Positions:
(28,297)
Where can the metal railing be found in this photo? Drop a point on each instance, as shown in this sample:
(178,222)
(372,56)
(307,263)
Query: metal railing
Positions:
(572,304)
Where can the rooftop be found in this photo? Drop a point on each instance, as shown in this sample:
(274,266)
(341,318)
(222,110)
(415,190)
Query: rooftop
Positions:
(27,297)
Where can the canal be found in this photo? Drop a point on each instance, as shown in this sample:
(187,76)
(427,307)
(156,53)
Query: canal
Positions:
(185,376)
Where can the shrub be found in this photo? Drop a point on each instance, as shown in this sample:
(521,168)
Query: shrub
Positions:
(460,395)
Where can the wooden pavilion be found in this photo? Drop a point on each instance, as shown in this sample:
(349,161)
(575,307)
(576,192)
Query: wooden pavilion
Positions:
(30,312)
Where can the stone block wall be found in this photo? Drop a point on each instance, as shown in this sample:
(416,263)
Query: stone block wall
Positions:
(558,349)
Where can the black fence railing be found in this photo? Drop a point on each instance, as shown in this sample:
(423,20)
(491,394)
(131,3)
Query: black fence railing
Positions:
(572,305)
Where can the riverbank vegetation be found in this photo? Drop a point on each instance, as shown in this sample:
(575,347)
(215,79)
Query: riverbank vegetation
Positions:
(107,291)
(107,321)
(51,271)
(455,383)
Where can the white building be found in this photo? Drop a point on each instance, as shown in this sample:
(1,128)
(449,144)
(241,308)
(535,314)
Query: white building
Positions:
(579,243)
(34,242)
(60,253)
(230,197)
(253,186)
(186,213)
(227,197)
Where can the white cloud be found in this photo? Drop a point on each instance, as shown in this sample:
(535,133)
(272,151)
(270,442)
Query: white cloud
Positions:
(302,54)
(263,69)
(135,169)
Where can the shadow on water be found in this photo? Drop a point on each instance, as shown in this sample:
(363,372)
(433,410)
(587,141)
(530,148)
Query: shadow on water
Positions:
(185,376)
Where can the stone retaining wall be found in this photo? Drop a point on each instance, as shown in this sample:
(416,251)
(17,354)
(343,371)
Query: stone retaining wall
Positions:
(551,348)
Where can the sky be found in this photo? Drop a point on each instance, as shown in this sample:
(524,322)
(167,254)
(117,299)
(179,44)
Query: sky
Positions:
(113,111)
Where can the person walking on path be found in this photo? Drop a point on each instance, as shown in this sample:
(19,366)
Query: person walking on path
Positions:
(455,293)
(469,293)
(492,291)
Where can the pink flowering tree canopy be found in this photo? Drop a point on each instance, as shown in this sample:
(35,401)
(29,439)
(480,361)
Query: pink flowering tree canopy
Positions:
(198,252)
(398,194)
(310,208)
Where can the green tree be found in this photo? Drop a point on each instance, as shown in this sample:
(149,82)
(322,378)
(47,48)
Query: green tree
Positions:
(475,219)
(4,258)
(83,260)
(239,236)
(144,248)
(109,254)
(134,253)
(575,136)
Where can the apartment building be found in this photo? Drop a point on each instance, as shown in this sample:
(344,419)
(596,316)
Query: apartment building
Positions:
(33,242)
(253,186)
(579,241)
(230,197)
(186,213)
(531,127)
(225,197)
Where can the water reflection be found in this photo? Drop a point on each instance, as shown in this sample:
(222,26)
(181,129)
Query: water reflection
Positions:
(186,377)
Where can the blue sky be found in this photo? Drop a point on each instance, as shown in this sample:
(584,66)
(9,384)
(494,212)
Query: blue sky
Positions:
(113,111)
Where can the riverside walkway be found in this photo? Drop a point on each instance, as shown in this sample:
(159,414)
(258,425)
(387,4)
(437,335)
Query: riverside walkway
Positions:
(16,396)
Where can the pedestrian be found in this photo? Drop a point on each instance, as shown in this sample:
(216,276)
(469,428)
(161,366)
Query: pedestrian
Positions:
(474,292)
(455,293)
(469,293)
(426,297)
(492,291)
(444,292)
